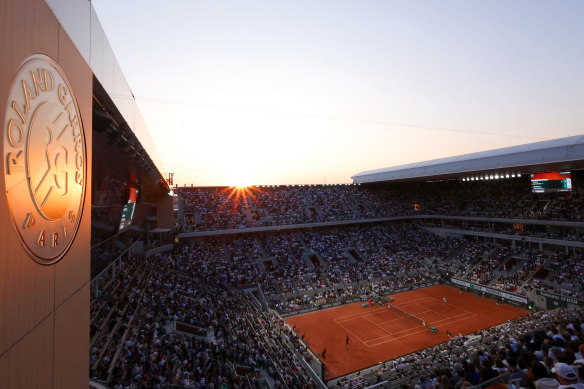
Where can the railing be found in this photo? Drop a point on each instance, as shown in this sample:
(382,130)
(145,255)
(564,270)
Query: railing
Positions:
(503,378)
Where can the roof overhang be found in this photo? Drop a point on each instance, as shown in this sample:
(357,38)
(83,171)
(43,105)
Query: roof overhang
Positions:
(551,155)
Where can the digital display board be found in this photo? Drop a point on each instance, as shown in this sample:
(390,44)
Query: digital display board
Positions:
(551,182)
(128,210)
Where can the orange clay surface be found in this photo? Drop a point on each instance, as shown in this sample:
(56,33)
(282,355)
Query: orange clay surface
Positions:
(379,334)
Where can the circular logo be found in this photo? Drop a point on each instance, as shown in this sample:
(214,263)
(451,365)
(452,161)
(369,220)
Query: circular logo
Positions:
(44,159)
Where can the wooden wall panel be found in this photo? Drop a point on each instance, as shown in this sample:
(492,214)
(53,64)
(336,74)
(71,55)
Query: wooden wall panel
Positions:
(73,271)
(44,310)
(26,289)
(26,27)
(72,341)
(29,363)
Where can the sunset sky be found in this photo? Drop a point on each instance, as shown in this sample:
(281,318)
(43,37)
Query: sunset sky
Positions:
(312,92)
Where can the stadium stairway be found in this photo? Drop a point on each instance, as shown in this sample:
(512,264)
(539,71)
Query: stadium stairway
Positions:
(260,247)
(533,273)
(314,260)
(500,270)
(260,264)
(552,273)
(454,253)
(353,255)
(475,266)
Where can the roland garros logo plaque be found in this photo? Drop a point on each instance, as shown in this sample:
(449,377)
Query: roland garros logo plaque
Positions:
(44,159)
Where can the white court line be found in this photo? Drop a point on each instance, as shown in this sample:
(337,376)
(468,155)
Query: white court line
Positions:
(408,329)
(420,331)
(372,312)
(378,326)
(413,302)
(438,322)
(359,313)
(340,320)
(456,306)
(430,310)
(349,331)
(414,333)
(454,316)
(401,317)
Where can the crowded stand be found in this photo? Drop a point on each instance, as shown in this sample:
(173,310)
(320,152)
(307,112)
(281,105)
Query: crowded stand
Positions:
(218,208)
(134,340)
(567,276)
(207,314)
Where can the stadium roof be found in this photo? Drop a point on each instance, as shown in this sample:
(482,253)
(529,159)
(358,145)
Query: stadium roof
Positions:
(551,155)
(80,21)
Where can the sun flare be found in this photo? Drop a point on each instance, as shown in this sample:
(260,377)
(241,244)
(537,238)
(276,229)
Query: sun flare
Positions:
(240,181)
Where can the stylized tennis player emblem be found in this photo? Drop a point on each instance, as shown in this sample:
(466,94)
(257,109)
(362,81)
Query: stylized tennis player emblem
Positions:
(44,161)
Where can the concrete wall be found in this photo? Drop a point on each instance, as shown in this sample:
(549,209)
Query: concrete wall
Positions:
(44,309)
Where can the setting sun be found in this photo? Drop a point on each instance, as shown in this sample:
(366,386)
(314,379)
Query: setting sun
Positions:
(240,180)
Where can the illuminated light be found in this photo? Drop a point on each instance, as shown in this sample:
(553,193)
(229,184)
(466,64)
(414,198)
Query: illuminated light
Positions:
(507,175)
(491,176)
(513,175)
(496,176)
(518,174)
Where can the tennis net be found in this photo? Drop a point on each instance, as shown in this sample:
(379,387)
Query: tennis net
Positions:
(408,315)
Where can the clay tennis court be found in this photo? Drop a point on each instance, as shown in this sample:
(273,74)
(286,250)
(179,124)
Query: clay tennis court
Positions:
(379,334)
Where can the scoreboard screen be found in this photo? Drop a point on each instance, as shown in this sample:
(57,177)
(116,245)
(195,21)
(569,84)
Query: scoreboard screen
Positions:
(551,182)
(128,210)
